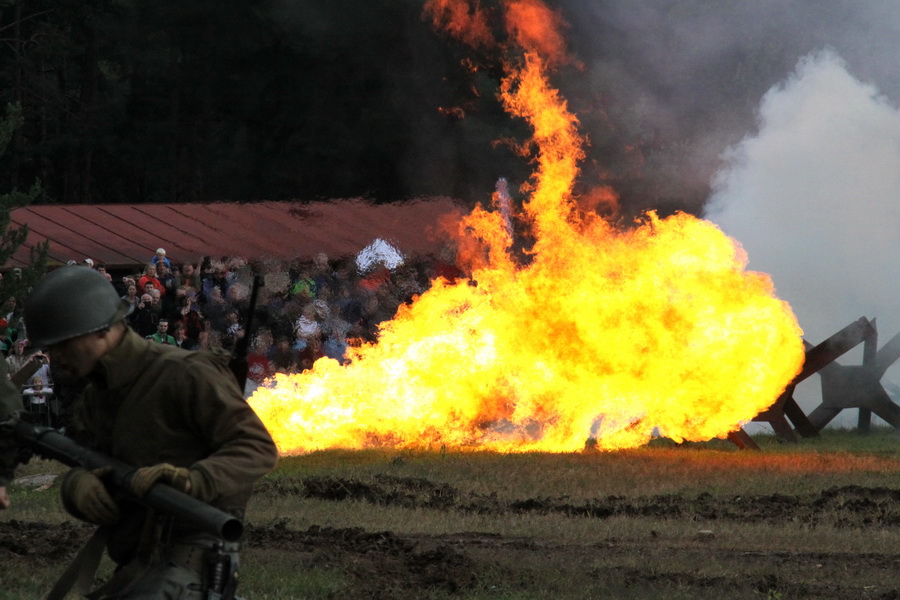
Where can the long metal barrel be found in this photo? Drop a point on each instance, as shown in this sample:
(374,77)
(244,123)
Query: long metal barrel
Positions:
(49,443)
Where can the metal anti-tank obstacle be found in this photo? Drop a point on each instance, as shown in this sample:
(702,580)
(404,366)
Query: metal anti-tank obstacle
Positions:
(859,386)
(843,387)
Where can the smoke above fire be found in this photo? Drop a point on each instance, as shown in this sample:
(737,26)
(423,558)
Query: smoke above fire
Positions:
(660,87)
(814,198)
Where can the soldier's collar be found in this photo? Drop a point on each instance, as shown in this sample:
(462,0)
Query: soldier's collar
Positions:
(118,367)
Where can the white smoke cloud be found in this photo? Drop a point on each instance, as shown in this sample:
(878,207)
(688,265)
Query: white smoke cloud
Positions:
(814,198)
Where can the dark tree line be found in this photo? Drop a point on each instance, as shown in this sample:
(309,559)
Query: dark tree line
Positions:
(184,101)
(168,101)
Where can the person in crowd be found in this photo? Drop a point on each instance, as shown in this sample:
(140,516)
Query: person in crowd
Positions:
(173,311)
(122,285)
(181,339)
(130,295)
(216,277)
(311,352)
(307,326)
(350,305)
(176,274)
(34,363)
(19,357)
(156,306)
(238,295)
(36,398)
(149,276)
(11,313)
(100,267)
(160,258)
(283,358)
(378,278)
(367,326)
(335,331)
(303,287)
(216,308)
(190,278)
(210,338)
(7,338)
(322,303)
(190,316)
(258,366)
(43,368)
(180,420)
(148,288)
(10,407)
(167,280)
(162,333)
(322,274)
(234,331)
(142,319)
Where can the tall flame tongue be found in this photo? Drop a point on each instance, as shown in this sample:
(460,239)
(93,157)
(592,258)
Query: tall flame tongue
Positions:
(604,334)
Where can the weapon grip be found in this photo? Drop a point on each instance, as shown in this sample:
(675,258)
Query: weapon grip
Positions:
(50,443)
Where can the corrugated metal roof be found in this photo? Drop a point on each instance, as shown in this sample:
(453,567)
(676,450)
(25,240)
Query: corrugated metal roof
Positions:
(126,235)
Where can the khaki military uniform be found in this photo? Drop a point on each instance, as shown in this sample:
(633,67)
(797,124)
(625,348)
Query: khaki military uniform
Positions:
(148,403)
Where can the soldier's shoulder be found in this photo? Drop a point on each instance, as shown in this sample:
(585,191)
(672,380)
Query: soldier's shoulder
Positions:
(217,357)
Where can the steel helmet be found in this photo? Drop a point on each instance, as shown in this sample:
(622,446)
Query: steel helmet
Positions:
(71,301)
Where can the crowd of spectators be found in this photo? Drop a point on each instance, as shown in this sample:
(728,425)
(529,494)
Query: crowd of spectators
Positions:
(305,308)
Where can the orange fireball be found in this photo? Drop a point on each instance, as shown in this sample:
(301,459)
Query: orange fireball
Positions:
(604,333)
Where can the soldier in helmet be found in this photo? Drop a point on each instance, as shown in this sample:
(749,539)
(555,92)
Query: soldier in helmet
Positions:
(177,415)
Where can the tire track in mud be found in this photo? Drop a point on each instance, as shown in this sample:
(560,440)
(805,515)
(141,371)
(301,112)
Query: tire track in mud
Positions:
(844,506)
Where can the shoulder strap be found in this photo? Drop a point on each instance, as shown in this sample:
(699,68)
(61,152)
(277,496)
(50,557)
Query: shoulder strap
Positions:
(80,572)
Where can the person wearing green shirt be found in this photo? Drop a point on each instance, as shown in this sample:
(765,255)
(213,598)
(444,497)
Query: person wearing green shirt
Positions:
(162,333)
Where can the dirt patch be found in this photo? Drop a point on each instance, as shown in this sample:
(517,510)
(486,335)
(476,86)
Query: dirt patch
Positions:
(383,563)
(46,544)
(846,506)
(388,565)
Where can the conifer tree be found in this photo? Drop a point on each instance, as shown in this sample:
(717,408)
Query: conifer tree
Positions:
(17,281)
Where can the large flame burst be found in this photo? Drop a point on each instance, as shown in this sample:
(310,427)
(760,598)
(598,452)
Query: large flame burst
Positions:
(605,333)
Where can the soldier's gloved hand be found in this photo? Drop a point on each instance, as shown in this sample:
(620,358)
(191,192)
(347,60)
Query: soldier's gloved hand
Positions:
(85,496)
(144,478)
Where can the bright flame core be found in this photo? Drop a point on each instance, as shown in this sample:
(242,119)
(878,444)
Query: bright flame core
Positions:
(604,334)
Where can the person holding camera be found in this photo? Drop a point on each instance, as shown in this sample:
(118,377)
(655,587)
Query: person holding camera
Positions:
(143,318)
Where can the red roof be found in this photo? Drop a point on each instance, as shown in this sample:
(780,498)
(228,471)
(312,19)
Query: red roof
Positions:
(126,235)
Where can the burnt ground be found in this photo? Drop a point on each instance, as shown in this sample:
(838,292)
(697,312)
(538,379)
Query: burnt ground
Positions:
(388,565)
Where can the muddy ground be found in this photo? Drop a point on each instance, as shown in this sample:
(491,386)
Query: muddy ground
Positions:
(386,565)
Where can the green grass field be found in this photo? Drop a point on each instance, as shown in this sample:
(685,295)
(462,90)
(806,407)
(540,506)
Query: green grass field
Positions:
(816,519)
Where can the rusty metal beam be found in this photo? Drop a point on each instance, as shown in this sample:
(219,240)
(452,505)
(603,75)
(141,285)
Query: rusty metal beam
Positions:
(742,440)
